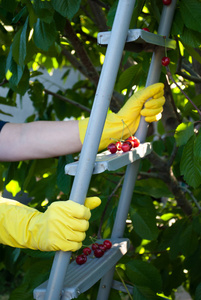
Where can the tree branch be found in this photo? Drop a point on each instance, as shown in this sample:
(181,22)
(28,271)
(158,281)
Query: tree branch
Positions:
(68,100)
(165,172)
(81,52)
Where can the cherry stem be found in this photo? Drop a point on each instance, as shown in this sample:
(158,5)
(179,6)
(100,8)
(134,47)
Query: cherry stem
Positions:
(187,97)
(124,284)
(165,46)
(127,127)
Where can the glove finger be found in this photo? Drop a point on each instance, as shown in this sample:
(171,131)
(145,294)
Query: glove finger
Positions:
(74,224)
(159,94)
(65,245)
(151,112)
(150,91)
(153,118)
(155,103)
(92,202)
(74,209)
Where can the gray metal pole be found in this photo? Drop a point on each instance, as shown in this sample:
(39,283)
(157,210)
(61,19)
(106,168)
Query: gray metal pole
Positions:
(93,135)
(132,170)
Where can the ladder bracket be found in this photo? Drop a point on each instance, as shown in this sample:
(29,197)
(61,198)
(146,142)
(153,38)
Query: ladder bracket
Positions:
(111,162)
(139,40)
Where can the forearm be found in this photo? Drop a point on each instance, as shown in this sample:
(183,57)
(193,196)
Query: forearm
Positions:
(38,140)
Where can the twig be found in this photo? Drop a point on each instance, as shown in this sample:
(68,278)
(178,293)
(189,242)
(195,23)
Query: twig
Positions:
(107,204)
(3,82)
(191,195)
(124,284)
(187,97)
(68,100)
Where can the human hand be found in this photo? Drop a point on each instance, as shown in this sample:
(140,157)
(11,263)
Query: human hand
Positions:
(61,227)
(126,121)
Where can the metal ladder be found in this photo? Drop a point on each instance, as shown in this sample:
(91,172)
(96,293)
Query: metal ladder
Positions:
(68,281)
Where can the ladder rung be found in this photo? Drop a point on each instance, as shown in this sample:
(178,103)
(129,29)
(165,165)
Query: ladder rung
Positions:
(80,278)
(139,40)
(111,162)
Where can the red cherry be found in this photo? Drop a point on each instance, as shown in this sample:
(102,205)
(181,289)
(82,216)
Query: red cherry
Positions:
(167,2)
(131,140)
(108,244)
(165,61)
(94,246)
(118,145)
(102,247)
(136,142)
(98,252)
(87,251)
(146,29)
(112,148)
(126,146)
(81,259)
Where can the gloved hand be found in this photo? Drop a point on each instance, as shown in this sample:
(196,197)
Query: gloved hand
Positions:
(130,113)
(61,227)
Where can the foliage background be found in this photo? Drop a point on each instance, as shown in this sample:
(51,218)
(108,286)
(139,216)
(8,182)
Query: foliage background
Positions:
(164,219)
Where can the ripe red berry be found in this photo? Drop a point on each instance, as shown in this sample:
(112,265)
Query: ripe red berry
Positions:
(81,259)
(118,145)
(108,244)
(136,142)
(165,61)
(102,247)
(126,146)
(146,29)
(94,246)
(131,140)
(87,251)
(112,148)
(98,252)
(167,2)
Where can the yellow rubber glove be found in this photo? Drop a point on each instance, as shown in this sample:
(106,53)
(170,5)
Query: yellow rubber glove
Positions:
(130,113)
(61,227)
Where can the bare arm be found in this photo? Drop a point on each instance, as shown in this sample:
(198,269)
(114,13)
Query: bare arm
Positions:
(41,139)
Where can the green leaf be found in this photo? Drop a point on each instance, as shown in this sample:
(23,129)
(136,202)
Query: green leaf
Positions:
(193,53)
(197,147)
(16,70)
(143,216)
(64,181)
(20,44)
(183,133)
(152,187)
(191,13)
(198,292)
(129,77)
(111,14)
(44,34)
(189,166)
(44,10)
(144,275)
(190,37)
(67,8)
(188,240)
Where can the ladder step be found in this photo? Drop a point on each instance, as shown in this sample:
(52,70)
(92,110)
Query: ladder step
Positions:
(79,278)
(139,40)
(111,162)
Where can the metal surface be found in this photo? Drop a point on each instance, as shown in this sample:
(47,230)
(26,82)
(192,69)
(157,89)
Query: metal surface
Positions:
(132,169)
(81,277)
(140,40)
(93,135)
(111,162)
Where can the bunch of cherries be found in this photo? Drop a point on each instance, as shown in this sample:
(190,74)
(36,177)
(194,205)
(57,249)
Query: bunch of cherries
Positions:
(98,250)
(125,146)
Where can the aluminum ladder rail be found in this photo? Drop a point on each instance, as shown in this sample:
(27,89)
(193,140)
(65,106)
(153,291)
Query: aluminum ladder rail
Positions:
(93,135)
(132,169)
